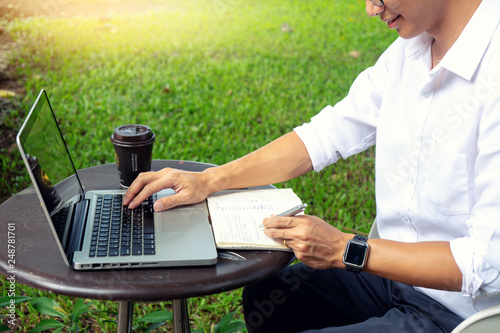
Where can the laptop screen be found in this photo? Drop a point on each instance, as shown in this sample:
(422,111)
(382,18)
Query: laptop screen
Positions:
(47,157)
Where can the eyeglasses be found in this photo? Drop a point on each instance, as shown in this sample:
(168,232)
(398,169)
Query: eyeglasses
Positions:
(378,3)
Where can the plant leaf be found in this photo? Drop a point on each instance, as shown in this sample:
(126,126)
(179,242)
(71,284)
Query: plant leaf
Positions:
(153,326)
(226,319)
(47,324)
(79,309)
(198,331)
(48,306)
(233,327)
(6,93)
(156,317)
(4,327)
(5,301)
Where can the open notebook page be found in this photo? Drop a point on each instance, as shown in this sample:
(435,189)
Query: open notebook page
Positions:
(237,214)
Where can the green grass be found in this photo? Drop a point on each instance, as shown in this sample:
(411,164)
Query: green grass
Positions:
(215,80)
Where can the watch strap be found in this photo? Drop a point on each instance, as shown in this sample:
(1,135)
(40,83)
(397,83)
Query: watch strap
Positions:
(361,238)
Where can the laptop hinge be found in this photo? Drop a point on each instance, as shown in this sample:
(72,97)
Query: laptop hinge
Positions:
(79,223)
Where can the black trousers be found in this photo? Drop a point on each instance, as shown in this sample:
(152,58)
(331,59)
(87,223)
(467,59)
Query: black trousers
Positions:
(302,299)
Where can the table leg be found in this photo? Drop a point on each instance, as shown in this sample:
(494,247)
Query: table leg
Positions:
(125,316)
(181,316)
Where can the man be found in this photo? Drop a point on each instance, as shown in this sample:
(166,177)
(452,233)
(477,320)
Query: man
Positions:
(431,104)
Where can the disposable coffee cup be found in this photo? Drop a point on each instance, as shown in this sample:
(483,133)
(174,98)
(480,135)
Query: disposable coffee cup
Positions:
(133,151)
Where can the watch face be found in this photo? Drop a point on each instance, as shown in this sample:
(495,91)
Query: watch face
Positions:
(356,253)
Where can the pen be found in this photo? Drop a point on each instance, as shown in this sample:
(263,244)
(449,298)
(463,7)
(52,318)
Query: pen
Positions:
(290,212)
(294,211)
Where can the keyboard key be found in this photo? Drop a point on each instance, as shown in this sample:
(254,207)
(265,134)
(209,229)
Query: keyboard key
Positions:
(149,223)
(125,251)
(136,249)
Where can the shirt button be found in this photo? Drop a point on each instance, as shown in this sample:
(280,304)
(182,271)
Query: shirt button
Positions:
(427,94)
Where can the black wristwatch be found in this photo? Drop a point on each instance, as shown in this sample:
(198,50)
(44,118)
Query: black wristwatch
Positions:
(356,254)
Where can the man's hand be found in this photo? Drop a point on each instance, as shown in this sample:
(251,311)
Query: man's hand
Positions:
(315,242)
(283,159)
(190,187)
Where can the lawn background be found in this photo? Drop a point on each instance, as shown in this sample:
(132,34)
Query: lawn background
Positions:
(214,79)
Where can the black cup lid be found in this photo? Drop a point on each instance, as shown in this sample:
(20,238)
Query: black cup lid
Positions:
(132,133)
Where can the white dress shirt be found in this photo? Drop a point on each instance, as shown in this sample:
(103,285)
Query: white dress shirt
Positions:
(437,137)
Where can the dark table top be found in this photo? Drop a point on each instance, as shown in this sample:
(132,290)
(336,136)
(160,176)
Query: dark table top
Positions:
(39,264)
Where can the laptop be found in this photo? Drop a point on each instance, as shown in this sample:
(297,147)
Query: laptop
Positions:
(92,229)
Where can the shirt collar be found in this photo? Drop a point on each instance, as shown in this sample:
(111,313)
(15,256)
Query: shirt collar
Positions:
(465,55)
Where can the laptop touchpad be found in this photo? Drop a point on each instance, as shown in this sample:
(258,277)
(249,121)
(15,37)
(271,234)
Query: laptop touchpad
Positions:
(185,219)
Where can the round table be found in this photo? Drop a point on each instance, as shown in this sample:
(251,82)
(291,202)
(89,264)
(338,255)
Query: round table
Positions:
(39,264)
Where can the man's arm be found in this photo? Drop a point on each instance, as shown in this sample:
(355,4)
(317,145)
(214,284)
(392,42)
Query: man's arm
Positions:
(320,245)
(423,264)
(283,159)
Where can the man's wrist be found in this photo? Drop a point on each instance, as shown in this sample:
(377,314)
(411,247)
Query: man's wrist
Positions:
(214,179)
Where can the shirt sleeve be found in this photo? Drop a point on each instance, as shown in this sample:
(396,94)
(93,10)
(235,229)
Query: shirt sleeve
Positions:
(350,126)
(478,254)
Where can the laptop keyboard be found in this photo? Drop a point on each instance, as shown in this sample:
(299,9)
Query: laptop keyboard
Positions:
(60,220)
(119,231)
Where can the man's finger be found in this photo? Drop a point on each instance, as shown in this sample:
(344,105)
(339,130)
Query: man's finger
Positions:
(280,222)
(142,188)
(174,200)
(136,187)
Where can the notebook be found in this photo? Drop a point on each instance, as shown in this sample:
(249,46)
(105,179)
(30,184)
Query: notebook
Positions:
(91,228)
(237,217)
